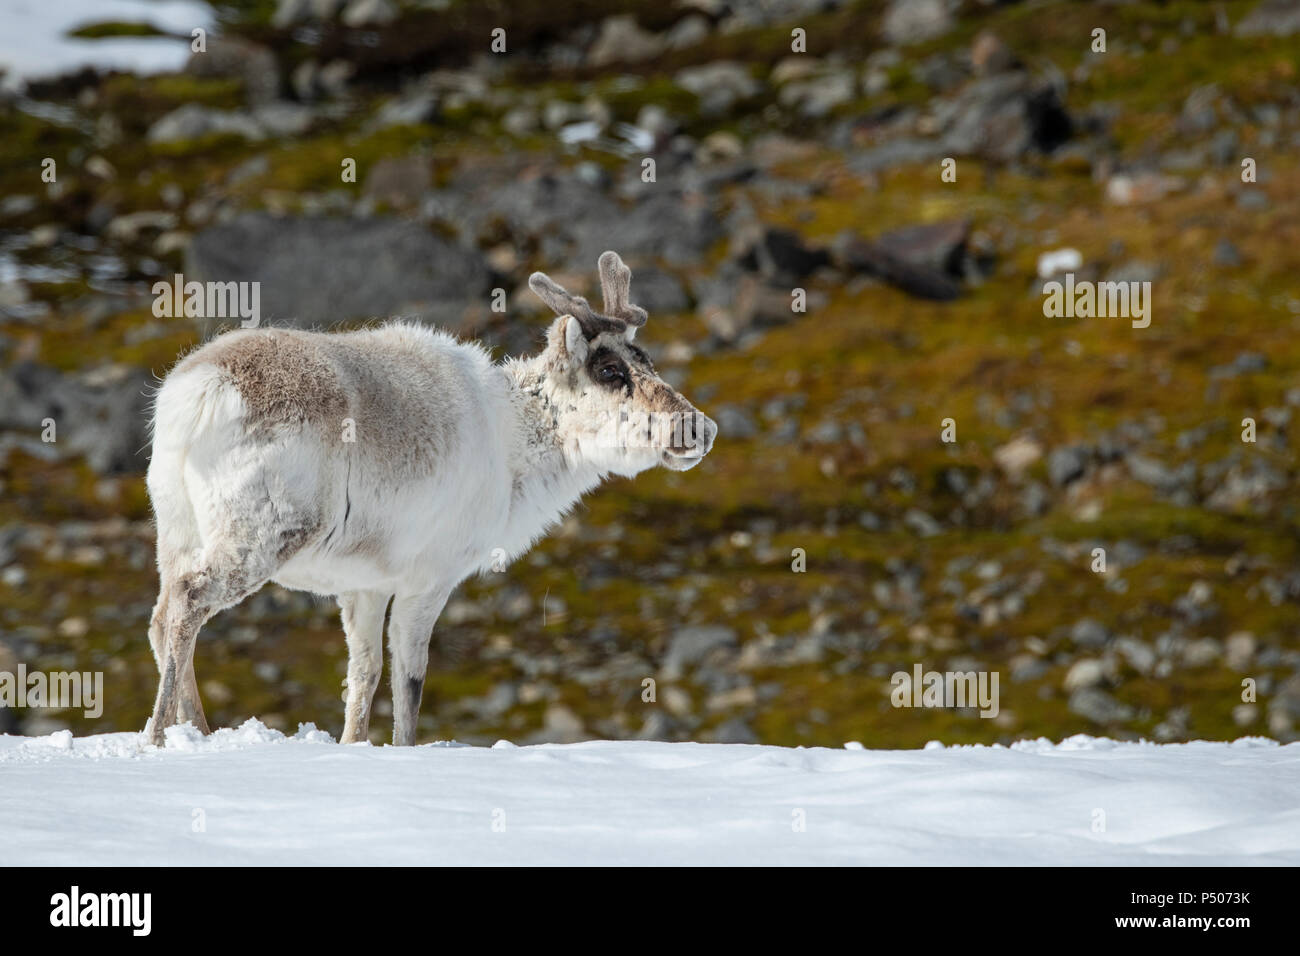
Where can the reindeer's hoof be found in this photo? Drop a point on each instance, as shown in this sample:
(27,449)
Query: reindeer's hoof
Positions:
(153,735)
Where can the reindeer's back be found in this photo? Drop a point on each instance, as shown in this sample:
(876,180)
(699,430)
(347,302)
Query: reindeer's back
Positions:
(406,394)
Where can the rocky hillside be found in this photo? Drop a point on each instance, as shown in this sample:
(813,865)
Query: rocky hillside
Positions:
(918,467)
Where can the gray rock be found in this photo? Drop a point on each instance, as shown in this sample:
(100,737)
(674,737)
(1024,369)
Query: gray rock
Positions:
(321,270)
(410,109)
(1243,364)
(1090,633)
(1240,650)
(752,304)
(289,12)
(101,415)
(734,421)
(988,54)
(921,523)
(720,86)
(1226,255)
(334,76)
(1198,115)
(1279,18)
(303,80)
(826,432)
(691,645)
(1225,147)
(1286,699)
(193,121)
(687,32)
(1253,200)
(128,228)
(1029,670)
(666,225)
(1245,486)
(1035,499)
(817,96)
(1066,464)
(854,254)
(520,121)
(1134,270)
(659,291)
(1098,706)
(281,119)
(1087,672)
(658,726)
(899,151)
(369,13)
(939,246)
(621,41)
(914,21)
(1153,472)
(1001,117)
(1173,727)
(1138,653)
(939,72)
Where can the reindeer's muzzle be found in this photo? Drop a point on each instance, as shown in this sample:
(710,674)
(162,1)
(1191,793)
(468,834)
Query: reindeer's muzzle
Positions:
(696,440)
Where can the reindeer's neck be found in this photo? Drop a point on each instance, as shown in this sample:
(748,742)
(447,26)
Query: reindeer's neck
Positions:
(547,481)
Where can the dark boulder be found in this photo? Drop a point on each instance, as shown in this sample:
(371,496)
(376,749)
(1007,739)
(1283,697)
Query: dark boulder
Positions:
(317,271)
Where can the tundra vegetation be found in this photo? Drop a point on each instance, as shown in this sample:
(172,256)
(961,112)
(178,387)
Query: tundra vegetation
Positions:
(774,172)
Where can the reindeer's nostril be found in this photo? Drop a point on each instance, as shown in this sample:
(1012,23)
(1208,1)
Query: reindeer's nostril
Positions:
(708,432)
(703,433)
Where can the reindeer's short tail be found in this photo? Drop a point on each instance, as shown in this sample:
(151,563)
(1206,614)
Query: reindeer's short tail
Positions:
(196,412)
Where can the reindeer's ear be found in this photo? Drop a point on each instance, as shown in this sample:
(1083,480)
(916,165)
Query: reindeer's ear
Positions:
(566,338)
(575,340)
(630,332)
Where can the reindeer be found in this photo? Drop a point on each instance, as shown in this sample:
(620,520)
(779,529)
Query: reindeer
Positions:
(388,465)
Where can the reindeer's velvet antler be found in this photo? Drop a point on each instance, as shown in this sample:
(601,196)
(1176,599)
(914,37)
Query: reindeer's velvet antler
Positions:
(615,284)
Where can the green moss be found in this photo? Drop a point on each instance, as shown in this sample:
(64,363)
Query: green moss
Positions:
(115,28)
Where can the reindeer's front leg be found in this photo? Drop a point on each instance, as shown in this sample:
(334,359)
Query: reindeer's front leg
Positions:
(410,625)
(363,623)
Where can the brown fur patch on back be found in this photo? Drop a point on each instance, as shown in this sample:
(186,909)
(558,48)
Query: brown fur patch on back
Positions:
(283,377)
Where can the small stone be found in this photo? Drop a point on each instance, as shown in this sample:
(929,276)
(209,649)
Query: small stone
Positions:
(1085,673)
(1088,632)
(1226,254)
(1066,464)
(988,54)
(1017,455)
(914,21)
(369,13)
(1240,650)
(1099,706)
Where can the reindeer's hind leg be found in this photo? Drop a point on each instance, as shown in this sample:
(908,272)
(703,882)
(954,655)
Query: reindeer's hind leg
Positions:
(231,567)
(179,549)
(363,623)
(189,706)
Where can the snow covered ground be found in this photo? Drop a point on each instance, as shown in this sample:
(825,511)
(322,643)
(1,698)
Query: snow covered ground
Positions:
(34,40)
(253,795)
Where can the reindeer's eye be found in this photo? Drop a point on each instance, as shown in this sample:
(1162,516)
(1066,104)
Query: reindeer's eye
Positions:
(611,373)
